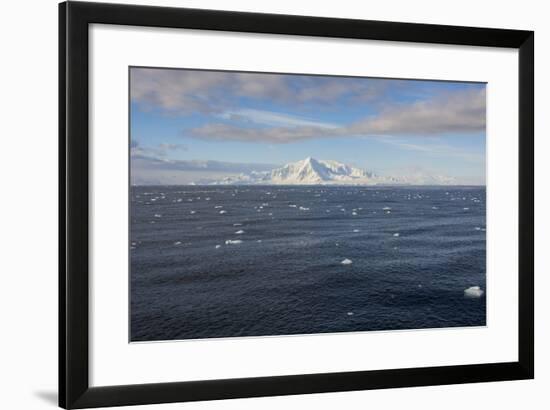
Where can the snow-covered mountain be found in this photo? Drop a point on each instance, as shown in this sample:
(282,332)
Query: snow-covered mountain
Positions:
(311,171)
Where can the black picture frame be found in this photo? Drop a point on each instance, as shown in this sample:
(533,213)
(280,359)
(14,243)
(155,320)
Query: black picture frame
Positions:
(74,387)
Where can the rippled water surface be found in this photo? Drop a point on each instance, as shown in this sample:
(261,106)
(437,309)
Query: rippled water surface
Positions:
(253,261)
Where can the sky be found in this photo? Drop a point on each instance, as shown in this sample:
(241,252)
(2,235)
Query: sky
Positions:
(199,125)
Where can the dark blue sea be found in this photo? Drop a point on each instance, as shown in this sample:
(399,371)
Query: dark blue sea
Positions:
(226,261)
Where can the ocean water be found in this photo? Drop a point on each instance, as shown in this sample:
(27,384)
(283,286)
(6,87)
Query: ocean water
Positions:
(226,261)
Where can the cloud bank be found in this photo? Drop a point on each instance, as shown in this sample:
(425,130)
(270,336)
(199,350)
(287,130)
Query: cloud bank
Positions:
(185,92)
(462,112)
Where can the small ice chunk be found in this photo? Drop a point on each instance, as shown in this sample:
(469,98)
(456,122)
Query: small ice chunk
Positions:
(303,208)
(218,207)
(223,212)
(435,207)
(207,199)
(354,213)
(233,242)
(158,216)
(237,224)
(396,234)
(386,208)
(350,313)
(292,206)
(239,232)
(193,212)
(466,209)
(177,243)
(473,292)
(346,262)
(356,230)
(259,241)
(218,246)
(477,228)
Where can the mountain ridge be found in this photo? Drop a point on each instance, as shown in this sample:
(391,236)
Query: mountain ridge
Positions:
(311,171)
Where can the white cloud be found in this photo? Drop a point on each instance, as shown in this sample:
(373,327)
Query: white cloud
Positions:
(273,119)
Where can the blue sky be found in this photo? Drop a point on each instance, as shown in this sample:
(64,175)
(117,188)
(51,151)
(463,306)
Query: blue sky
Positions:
(388,126)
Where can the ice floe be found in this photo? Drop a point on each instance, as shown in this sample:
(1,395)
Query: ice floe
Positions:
(218,246)
(233,242)
(346,262)
(223,212)
(303,208)
(158,216)
(356,230)
(350,313)
(473,292)
(192,212)
(396,234)
(177,243)
(239,232)
(386,208)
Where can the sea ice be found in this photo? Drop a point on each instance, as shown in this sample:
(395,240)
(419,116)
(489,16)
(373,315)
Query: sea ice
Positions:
(386,208)
(356,230)
(292,206)
(473,292)
(218,207)
(233,242)
(223,212)
(466,209)
(346,262)
(396,234)
(193,212)
(237,224)
(354,213)
(303,208)
(177,243)
(218,246)
(239,232)
(158,216)
(350,313)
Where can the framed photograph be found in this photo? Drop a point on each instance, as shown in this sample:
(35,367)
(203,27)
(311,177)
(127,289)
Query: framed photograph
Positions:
(257,204)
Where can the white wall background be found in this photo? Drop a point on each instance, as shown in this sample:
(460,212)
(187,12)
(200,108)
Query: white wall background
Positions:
(28,203)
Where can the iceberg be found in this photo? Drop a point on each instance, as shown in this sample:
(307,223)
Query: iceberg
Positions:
(473,292)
